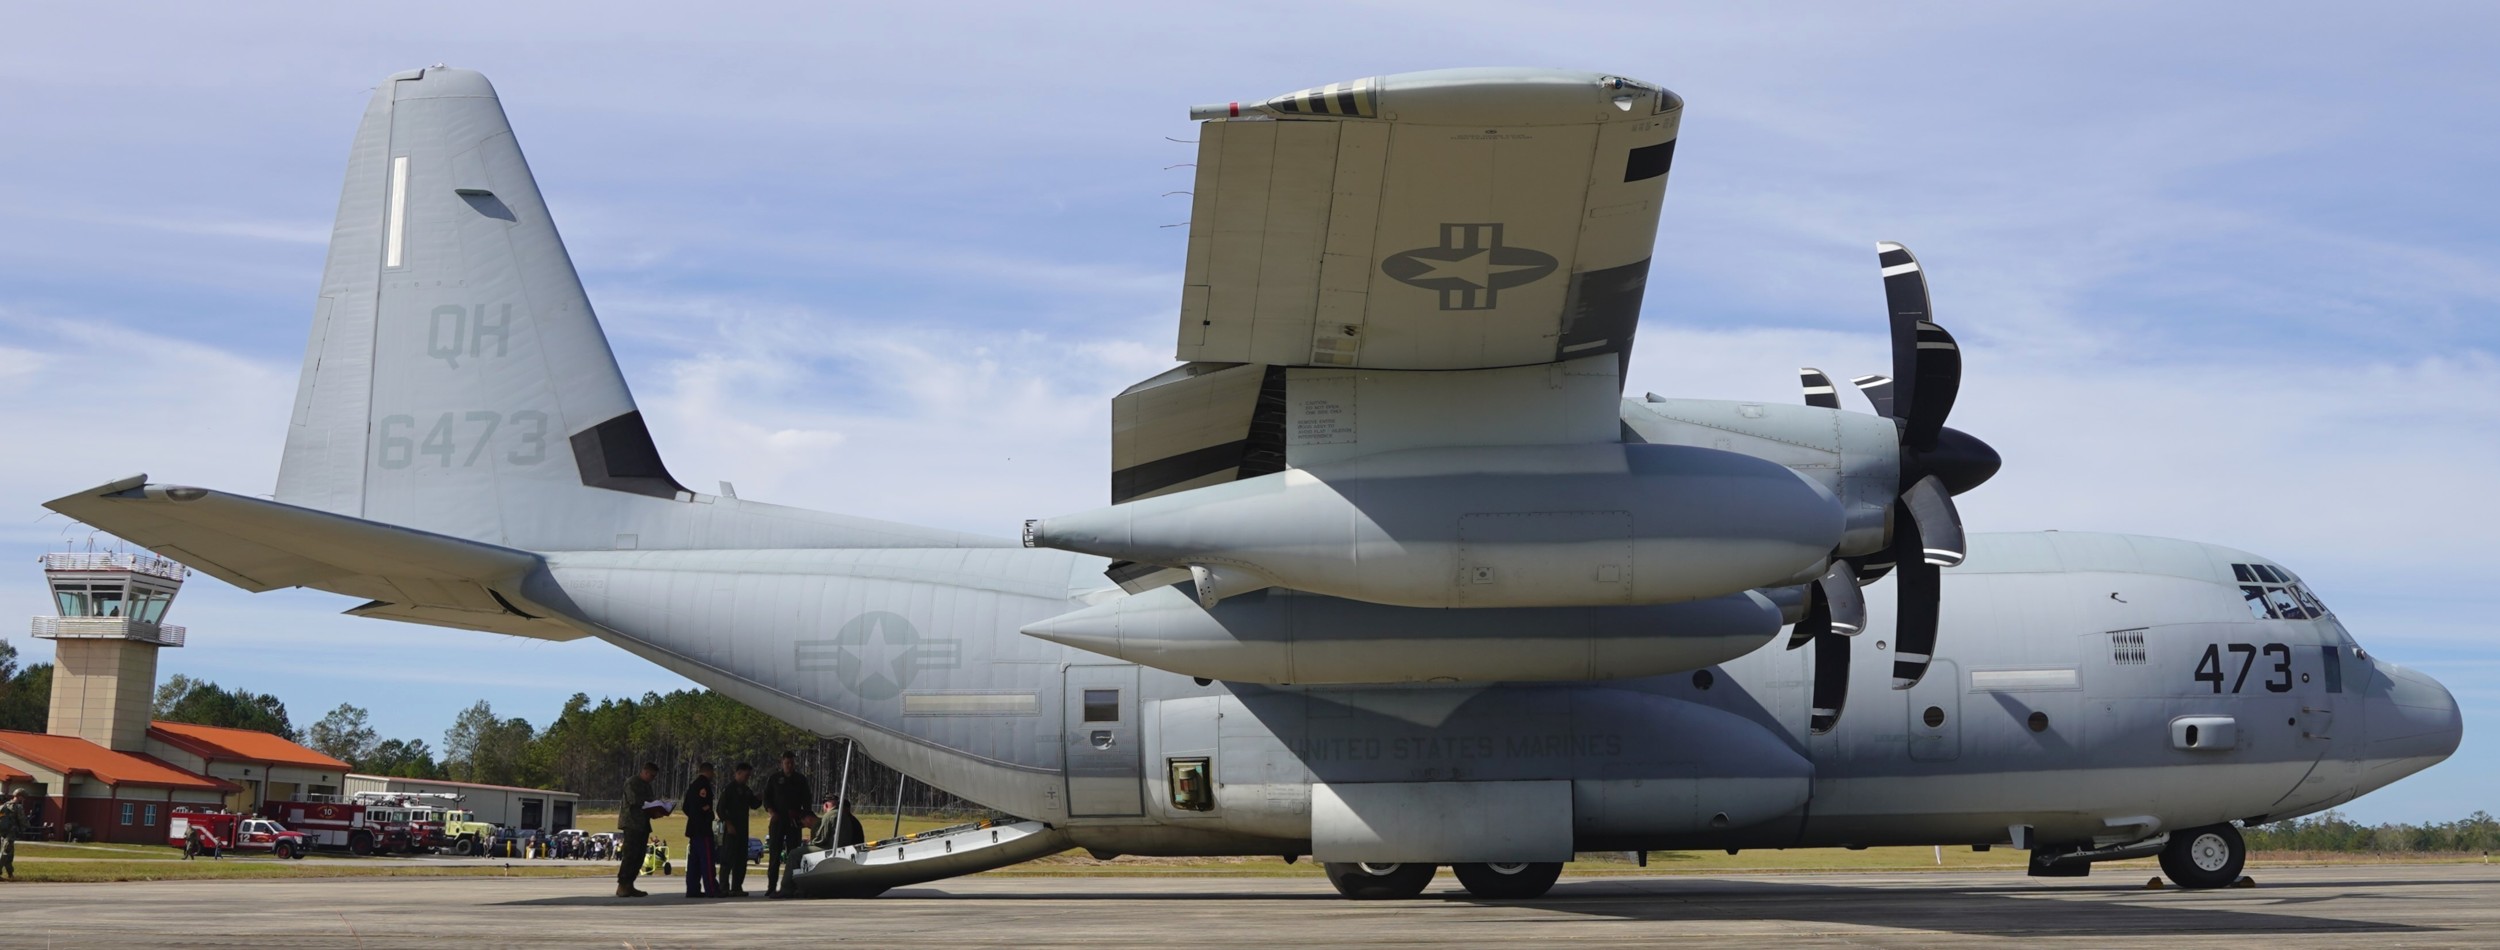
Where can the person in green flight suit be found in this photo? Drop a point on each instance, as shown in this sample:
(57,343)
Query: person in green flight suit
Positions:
(737,801)
(633,828)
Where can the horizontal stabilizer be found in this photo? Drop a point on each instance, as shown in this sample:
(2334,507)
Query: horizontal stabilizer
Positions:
(261,545)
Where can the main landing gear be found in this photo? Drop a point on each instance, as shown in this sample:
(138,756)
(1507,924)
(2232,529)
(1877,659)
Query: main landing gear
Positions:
(1513,881)
(2211,856)
(1380,882)
(1498,881)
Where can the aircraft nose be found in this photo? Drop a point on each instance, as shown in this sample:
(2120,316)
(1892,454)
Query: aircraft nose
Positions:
(2416,719)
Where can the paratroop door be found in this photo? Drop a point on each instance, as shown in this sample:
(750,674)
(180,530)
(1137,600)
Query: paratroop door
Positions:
(1104,762)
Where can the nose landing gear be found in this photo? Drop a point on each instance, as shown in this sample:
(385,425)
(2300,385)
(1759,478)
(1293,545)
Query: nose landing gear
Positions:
(2211,856)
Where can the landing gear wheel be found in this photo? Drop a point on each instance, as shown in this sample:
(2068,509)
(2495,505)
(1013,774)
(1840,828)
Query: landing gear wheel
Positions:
(1381,882)
(2211,856)
(1508,882)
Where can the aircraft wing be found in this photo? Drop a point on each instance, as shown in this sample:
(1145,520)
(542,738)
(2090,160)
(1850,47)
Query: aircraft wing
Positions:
(261,545)
(1455,219)
(1491,227)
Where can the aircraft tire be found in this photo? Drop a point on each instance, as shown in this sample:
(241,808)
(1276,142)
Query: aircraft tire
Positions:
(1381,882)
(1508,882)
(2207,857)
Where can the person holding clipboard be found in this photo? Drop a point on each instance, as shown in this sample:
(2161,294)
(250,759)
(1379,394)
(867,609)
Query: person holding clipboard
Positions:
(633,827)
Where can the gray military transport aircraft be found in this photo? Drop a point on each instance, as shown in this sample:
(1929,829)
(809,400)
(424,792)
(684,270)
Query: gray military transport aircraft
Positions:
(1392,575)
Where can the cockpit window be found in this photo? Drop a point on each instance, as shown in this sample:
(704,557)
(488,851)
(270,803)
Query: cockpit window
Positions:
(2273,594)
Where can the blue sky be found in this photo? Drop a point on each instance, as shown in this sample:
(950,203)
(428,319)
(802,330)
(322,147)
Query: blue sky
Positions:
(2222,272)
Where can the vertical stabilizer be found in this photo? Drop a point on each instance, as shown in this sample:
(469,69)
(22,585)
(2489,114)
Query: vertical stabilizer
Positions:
(457,380)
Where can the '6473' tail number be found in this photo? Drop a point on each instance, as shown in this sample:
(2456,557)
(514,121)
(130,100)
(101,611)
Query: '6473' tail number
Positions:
(2214,669)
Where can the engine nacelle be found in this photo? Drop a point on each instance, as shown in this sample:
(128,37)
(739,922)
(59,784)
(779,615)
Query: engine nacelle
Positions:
(1527,526)
(1284,637)
(1855,456)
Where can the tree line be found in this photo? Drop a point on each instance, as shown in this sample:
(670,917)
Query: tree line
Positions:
(589,749)
(2332,831)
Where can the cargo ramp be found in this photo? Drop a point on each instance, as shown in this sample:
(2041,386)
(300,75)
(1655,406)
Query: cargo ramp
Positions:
(869,868)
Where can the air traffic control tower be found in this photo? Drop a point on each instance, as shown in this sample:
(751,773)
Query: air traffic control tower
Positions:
(110,624)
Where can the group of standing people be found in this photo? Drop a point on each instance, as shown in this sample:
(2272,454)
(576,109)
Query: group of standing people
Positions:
(722,811)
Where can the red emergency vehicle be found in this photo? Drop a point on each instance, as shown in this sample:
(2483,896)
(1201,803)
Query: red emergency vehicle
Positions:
(355,826)
(227,831)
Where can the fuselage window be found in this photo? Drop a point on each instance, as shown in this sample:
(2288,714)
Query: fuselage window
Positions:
(1102,705)
(1192,788)
(2334,667)
(1934,717)
(2039,722)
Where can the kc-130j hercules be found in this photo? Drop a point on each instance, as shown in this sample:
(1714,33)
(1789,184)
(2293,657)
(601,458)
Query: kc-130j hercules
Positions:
(1393,577)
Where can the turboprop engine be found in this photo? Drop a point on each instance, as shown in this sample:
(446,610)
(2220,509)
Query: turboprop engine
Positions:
(1526,526)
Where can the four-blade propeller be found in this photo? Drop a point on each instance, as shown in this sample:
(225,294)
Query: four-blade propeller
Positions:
(1937,463)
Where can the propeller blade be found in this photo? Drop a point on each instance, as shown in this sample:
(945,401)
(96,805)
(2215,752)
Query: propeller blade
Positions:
(1905,297)
(1819,390)
(1917,591)
(1939,524)
(1878,390)
(1816,622)
(1939,380)
(1831,683)
(1842,602)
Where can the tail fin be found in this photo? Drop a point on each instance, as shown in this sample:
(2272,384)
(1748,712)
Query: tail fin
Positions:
(457,380)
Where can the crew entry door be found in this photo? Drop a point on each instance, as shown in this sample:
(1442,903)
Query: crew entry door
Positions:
(1105,770)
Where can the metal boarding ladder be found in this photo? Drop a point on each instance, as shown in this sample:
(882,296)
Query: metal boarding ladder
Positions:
(868,869)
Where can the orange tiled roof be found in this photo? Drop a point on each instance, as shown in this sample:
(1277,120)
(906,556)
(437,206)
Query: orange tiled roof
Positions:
(70,754)
(225,744)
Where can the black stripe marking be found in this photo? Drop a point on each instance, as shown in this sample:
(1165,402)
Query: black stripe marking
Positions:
(1892,258)
(1263,452)
(1345,100)
(1603,307)
(618,455)
(1170,470)
(1649,161)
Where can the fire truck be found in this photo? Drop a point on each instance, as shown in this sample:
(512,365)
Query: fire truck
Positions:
(353,825)
(415,812)
(229,831)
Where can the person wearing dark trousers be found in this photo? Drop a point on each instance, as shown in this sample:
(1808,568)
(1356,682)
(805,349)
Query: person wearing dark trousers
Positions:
(787,799)
(737,800)
(698,805)
(633,828)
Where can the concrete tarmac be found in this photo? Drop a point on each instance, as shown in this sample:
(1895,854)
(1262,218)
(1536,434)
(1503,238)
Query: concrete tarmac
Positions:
(2345,908)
